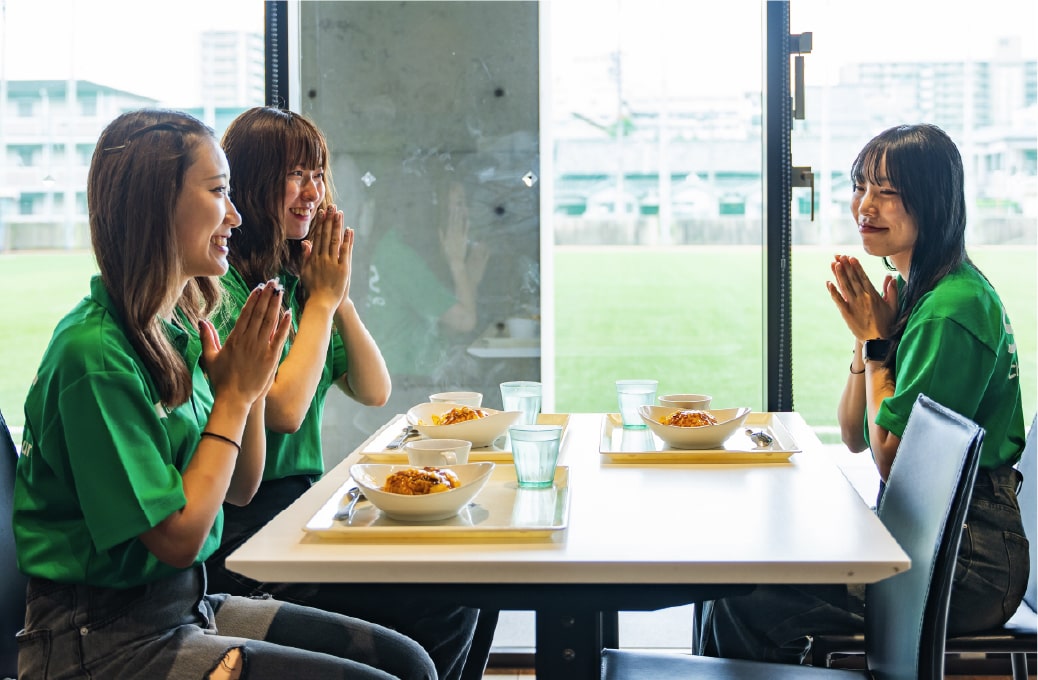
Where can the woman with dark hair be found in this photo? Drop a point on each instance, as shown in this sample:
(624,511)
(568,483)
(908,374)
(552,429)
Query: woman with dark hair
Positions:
(291,230)
(937,328)
(140,424)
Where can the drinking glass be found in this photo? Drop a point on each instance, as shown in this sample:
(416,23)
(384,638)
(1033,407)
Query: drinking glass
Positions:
(631,394)
(535,453)
(523,396)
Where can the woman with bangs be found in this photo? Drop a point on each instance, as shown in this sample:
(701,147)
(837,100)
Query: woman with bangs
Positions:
(937,328)
(141,424)
(292,230)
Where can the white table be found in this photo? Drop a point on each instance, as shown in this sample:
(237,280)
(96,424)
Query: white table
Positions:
(640,537)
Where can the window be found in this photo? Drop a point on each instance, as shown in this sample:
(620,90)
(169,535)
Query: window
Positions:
(57,103)
(977,90)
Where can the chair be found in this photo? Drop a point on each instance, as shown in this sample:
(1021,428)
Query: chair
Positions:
(12,581)
(1019,636)
(923,506)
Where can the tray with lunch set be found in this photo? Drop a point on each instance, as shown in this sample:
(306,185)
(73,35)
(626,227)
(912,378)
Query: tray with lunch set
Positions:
(499,451)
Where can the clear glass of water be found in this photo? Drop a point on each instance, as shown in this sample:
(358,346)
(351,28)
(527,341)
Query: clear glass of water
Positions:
(535,453)
(524,396)
(631,394)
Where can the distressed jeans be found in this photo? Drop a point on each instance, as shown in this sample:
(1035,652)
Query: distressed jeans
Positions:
(171,629)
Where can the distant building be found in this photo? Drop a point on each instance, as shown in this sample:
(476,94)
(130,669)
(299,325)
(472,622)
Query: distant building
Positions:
(232,69)
(48,130)
(607,167)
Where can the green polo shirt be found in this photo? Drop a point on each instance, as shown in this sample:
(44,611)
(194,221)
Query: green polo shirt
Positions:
(101,457)
(958,349)
(297,453)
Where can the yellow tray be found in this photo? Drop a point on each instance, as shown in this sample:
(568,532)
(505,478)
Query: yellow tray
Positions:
(501,510)
(642,446)
(500,451)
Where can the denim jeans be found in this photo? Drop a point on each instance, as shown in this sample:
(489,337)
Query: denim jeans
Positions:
(170,629)
(774,623)
(445,631)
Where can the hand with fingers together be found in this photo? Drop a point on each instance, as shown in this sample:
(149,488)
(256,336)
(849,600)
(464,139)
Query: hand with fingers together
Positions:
(246,363)
(867,312)
(327,252)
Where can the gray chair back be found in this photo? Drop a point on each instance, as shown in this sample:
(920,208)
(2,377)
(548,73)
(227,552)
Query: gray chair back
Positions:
(924,507)
(1028,499)
(12,582)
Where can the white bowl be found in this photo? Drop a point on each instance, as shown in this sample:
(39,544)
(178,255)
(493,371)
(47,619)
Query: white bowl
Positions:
(706,437)
(371,477)
(480,431)
(437,452)
(521,327)
(686,401)
(473,399)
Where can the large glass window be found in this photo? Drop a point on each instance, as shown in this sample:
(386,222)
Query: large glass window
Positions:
(67,67)
(975,77)
(655,132)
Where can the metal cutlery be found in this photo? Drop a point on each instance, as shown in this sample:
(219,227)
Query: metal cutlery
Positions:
(352,497)
(408,433)
(760,439)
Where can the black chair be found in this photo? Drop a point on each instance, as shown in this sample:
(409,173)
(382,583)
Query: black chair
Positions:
(1019,636)
(923,506)
(12,582)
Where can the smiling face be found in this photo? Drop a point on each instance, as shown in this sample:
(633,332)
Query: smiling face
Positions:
(204,215)
(304,191)
(886,227)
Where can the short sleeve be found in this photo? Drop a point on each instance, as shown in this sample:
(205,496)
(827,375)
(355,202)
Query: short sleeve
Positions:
(931,360)
(119,456)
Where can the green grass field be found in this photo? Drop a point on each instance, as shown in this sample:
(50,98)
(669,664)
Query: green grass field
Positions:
(691,317)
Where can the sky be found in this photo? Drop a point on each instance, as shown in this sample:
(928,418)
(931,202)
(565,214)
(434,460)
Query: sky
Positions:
(144,46)
(677,46)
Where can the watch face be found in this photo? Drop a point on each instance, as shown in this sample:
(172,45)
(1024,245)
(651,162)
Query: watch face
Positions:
(876,350)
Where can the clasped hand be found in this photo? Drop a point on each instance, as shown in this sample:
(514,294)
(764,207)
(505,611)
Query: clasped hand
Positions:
(246,363)
(328,253)
(867,312)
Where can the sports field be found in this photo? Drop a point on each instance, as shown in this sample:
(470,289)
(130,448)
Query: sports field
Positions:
(690,316)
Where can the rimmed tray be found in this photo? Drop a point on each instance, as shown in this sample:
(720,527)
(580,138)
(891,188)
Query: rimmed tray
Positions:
(642,446)
(500,451)
(500,511)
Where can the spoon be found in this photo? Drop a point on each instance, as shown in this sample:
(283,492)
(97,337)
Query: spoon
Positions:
(408,433)
(760,439)
(353,496)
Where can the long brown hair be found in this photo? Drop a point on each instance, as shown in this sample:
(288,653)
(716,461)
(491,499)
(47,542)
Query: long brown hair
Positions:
(136,175)
(262,145)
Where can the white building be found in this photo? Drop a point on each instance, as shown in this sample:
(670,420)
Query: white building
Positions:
(48,130)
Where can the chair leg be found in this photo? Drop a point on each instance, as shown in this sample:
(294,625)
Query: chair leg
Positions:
(482,639)
(1019,662)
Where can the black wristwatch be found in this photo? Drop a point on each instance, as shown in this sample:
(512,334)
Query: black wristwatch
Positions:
(876,349)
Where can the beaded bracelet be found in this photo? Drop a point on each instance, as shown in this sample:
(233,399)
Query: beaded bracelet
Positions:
(236,445)
(853,372)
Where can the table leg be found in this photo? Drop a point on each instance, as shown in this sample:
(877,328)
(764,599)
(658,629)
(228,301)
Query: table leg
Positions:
(611,629)
(569,644)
